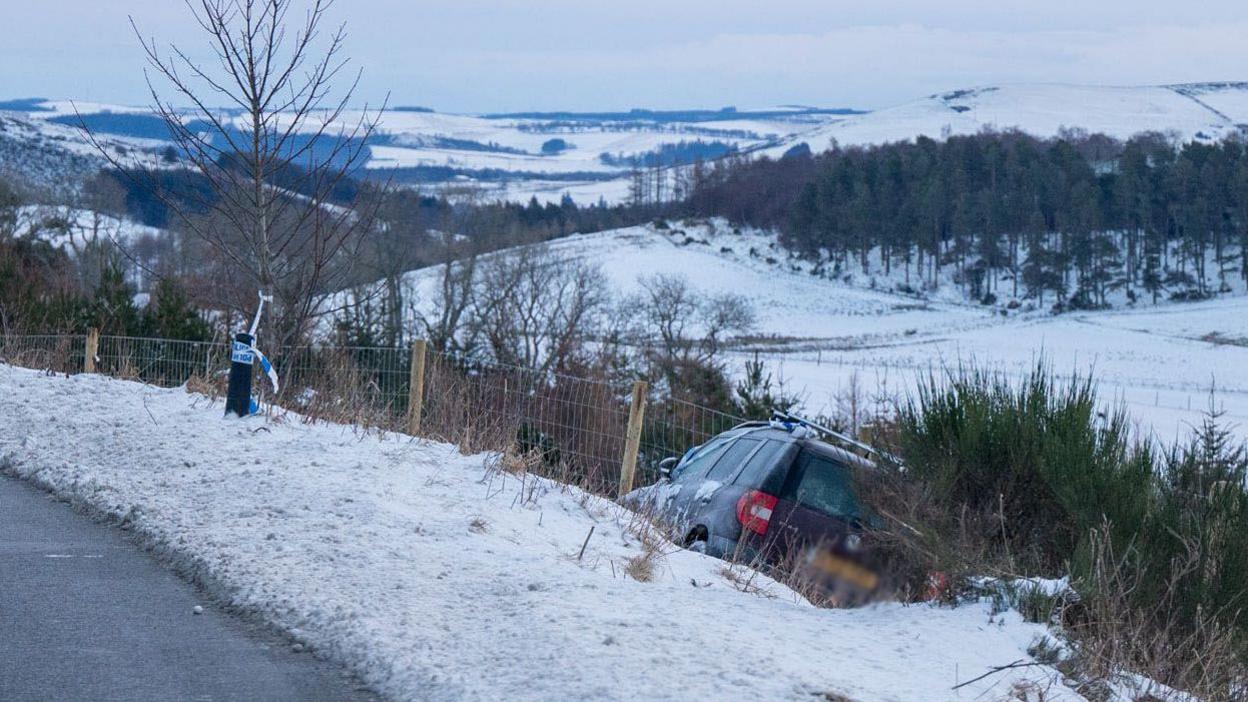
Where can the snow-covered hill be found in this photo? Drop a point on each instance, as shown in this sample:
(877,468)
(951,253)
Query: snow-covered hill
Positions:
(790,303)
(437,578)
(1201,111)
(519,156)
(827,332)
(512,156)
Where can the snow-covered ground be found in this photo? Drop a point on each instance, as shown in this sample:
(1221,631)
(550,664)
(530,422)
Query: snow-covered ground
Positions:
(789,302)
(74,228)
(436,578)
(1203,111)
(1164,380)
(824,333)
(473,144)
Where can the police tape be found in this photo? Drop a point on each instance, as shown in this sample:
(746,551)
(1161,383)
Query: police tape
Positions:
(267,367)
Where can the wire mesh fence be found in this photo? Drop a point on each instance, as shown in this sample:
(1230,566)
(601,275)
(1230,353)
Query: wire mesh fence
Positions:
(162,362)
(47,352)
(672,426)
(571,428)
(363,385)
(574,427)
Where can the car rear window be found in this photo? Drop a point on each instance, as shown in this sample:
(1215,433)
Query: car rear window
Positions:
(732,459)
(823,485)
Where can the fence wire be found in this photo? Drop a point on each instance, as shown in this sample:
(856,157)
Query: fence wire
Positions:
(575,427)
(52,353)
(163,362)
(570,428)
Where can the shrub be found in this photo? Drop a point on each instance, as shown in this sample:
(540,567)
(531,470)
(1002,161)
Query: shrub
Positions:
(1037,466)
(555,146)
(1037,479)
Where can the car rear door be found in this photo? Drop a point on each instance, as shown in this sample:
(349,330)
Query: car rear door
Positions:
(817,506)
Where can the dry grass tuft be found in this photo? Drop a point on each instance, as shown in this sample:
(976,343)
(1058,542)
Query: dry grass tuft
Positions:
(641,567)
(199,385)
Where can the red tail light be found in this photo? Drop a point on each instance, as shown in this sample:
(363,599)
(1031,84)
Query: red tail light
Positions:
(754,511)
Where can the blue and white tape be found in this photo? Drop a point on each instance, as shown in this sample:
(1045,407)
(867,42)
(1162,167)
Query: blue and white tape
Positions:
(267,368)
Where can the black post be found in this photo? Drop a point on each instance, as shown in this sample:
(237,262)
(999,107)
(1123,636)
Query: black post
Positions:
(238,399)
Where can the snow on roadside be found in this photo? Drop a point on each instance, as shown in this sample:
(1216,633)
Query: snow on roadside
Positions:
(435,578)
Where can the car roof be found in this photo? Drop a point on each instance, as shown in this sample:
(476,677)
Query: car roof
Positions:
(807,440)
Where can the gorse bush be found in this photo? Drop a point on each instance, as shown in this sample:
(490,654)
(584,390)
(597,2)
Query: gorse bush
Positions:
(1038,477)
(1040,459)
(1201,520)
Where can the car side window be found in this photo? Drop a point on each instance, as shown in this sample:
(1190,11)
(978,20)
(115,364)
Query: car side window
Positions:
(823,485)
(758,470)
(732,459)
(702,458)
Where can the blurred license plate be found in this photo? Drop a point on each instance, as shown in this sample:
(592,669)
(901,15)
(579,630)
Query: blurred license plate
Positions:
(846,570)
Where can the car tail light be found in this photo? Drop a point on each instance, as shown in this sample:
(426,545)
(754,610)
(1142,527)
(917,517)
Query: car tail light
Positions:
(754,511)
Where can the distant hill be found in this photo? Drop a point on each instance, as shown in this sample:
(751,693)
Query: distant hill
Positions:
(1195,111)
(502,154)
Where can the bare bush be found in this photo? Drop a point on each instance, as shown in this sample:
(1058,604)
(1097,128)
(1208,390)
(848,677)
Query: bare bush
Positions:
(535,310)
(685,326)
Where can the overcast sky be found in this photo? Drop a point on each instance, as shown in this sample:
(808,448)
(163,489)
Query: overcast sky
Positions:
(506,55)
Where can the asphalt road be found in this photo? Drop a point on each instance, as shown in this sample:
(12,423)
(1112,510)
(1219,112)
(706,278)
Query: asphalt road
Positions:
(87,615)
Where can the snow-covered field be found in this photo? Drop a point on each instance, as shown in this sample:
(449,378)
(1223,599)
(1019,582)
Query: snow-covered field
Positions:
(1202,111)
(471,145)
(1164,380)
(823,335)
(501,155)
(436,578)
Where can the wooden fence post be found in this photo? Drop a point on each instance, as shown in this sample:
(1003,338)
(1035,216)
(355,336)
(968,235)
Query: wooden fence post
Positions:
(632,439)
(92,350)
(416,387)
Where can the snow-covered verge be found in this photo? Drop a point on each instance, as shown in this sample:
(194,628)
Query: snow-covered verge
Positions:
(434,577)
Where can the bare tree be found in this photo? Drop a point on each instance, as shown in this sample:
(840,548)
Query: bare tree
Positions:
(681,335)
(536,310)
(453,300)
(685,326)
(272,158)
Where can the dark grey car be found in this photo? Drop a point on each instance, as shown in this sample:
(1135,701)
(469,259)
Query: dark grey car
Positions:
(769,493)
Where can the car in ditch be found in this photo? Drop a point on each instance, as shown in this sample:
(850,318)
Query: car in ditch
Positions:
(777,494)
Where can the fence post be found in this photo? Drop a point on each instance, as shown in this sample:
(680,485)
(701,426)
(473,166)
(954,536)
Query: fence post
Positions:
(416,387)
(92,350)
(632,440)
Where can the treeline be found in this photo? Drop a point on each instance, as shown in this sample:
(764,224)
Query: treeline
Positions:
(678,154)
(57,251)
(1077,217)
(147,198)
(43,290)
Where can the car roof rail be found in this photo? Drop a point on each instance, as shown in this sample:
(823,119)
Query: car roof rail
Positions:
(788,420)
(751,424)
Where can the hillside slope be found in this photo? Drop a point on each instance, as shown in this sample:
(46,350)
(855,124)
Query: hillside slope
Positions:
(825,334)
(507,156)
(1201,111)
(437,578)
